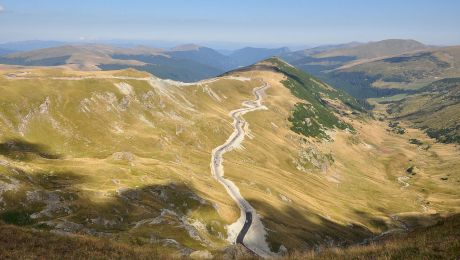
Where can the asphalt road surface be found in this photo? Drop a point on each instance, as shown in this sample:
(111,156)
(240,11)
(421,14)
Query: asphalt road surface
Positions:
(234,140)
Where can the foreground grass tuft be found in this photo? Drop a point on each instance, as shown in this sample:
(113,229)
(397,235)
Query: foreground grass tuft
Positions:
(441,241)
(22,243)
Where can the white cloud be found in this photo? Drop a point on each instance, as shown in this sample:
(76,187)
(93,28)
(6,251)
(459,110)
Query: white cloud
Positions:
(1,8)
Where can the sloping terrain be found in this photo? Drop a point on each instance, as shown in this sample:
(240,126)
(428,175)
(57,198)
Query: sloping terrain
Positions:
(300,54)
(360,68)
(435,109)
(81,56)
(126,156)
(18,46)
(438,241)
(378,49)
(24,243)
(385,76)
(186,63)
(5,51)
(410,71)
(441,241)
(323,58)
(182,64)
(206,56)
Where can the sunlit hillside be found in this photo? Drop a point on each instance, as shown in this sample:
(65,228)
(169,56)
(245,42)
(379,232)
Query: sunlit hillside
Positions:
(126,156)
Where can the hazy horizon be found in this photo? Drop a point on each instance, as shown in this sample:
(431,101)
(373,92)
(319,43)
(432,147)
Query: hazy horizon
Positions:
(230,24)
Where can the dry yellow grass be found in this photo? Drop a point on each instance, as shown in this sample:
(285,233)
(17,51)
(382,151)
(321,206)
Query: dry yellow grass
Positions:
(21,243)
(441,241)
(308,192)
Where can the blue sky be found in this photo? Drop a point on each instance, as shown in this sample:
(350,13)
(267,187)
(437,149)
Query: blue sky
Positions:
(257,22)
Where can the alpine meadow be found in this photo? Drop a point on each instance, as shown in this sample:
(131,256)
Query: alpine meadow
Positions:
(229,129)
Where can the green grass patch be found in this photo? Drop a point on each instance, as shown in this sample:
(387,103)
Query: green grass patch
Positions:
(16,217)
(313,118)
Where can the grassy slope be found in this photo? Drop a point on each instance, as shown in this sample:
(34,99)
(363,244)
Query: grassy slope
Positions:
(435,110)
(376,49)
(22,243)
(441,241)
(314,117)
(109,151)
(398,74)
(339,191)
(435,242)
(333,66)
(291,181)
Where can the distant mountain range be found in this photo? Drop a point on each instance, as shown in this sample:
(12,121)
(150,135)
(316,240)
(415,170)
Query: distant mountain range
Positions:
(381,68)
(185,62)
(364,70)
(30,45)
(125,156)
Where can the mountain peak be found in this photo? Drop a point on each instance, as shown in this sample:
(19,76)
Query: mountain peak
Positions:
(186,47)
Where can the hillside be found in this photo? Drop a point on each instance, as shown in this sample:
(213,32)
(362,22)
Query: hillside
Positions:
(23,243)
(19,46)
(410,71)
(434,109)
(300,54)
(126,156)
(359,68)
(378,49)
(385,76)
(186,63)
(438,241)
(5,51)
(182,65)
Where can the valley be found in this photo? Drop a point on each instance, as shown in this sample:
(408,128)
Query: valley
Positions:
(124,155)
(248,224)
(229,130)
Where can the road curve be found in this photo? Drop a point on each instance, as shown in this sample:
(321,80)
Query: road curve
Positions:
(248,229)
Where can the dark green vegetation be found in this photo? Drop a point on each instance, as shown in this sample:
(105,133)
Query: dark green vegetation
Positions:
(356,82)
(186,63)
(434,109)
(395,75)
(16,217)
(415,141)
(53,61)
(359,84)
(396,128)
(169,68)
(378,69)
(317,115)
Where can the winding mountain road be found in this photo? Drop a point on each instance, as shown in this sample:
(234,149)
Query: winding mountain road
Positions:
(248,229)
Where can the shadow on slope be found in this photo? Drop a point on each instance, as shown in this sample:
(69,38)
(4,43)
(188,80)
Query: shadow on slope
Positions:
(439,241)
(303,231)
(18,149)
(23,243)
(66,201)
